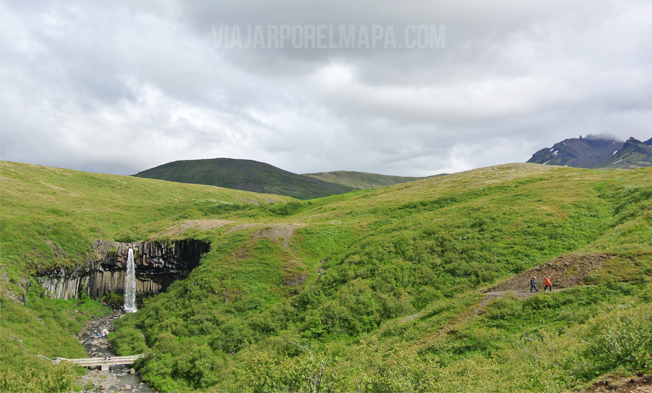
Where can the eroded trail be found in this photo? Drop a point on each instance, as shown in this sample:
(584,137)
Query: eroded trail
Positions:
(566,272)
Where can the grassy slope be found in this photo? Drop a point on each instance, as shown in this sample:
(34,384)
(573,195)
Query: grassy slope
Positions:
(419,250)
(415,249)
(50,216)
(361,180)
(244,175)
(51,210)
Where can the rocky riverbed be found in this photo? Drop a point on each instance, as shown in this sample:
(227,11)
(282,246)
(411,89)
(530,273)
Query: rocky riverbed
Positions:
(118,378)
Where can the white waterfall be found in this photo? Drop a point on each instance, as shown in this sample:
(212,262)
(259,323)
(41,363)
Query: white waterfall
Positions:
(130,284)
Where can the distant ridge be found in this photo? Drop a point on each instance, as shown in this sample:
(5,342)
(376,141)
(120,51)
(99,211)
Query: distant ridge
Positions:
(247,175)
(633,154)
(579,152)
(361,180)
(597,151)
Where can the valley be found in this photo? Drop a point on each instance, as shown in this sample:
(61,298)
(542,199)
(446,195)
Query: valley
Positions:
(380,289)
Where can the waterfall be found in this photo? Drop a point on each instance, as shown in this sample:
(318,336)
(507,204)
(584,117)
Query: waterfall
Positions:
(130,284)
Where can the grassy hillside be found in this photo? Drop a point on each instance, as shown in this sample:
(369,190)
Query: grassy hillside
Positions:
(245,175)
(361,180)
(52,215)
(378,290)
(49,217)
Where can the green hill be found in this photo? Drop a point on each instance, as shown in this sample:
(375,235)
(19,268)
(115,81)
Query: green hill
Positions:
(245,175)
(48,218)
(361,180)
(378,290)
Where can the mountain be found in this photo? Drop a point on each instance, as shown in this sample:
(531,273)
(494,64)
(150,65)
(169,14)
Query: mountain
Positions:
(247,175)
(587,152)
(633,154)
(361,180)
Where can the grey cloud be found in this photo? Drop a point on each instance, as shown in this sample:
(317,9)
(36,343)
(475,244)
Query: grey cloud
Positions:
(120,86)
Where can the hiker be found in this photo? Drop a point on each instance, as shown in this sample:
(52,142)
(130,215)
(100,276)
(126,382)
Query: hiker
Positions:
(533,284)
(547,284)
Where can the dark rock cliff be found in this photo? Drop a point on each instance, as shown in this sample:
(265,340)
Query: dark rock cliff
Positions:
(158,264)
(579,153)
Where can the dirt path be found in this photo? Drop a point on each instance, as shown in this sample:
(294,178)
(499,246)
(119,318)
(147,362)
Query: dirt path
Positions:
(521,294)
(628,385)
(566,271)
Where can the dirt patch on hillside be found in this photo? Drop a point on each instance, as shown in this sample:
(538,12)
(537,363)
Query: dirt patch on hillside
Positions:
(277,232)
(282,232)
(242,226)
(202,225)
(250,201)
(565,271)
(628,385)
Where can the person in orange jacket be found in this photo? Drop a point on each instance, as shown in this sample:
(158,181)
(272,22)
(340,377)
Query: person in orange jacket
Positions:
(548,284)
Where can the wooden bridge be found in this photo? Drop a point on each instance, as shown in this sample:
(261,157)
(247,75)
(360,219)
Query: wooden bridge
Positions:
(104,364)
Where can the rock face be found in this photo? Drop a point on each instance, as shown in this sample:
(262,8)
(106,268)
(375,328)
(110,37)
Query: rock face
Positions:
(634,154)
(158,264)
(578,153)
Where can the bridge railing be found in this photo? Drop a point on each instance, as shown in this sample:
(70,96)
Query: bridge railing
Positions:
(96,361)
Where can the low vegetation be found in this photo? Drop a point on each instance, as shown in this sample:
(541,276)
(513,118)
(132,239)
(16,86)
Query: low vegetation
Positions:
(380,290)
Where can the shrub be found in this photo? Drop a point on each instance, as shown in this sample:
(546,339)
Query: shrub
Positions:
(625,340)
(57,378)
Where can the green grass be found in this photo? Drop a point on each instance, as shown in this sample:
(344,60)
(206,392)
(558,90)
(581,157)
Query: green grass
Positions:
(401,269)
(42,327)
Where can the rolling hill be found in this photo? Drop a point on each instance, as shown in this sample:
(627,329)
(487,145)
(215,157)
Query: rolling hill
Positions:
(376,290)
(247,175)
(361,180)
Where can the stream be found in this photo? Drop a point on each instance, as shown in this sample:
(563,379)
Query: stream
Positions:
(119,378)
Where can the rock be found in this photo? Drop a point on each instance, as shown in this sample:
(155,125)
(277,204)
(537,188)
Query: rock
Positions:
(132,371)
(158,265)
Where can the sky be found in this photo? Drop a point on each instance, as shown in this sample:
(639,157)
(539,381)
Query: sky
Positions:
(410,88)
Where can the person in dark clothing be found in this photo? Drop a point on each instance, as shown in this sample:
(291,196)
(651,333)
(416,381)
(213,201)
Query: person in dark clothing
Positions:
(548,284)
(533,284)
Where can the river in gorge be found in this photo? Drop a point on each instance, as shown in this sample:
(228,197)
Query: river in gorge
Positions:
(119,378)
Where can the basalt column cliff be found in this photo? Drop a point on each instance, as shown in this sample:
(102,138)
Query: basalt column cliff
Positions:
(158,264)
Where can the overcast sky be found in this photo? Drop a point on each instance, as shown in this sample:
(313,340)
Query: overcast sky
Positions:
(121,86)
